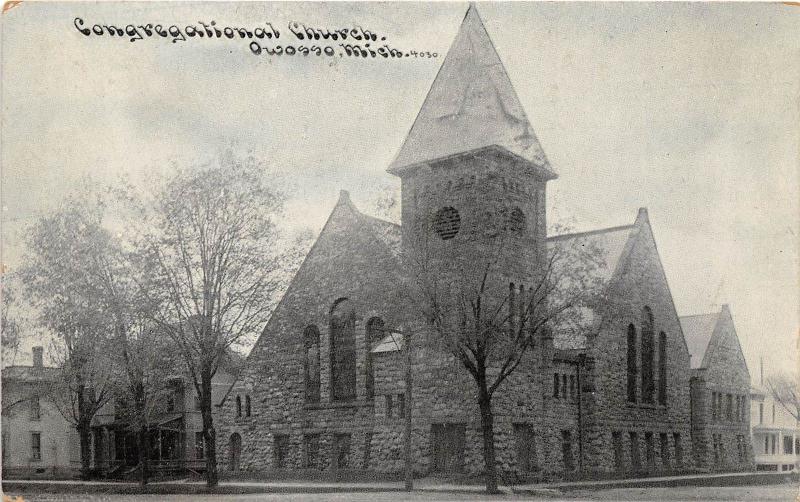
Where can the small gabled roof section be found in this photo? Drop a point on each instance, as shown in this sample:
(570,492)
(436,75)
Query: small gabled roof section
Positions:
(471,105)
(392,342)
(697,331)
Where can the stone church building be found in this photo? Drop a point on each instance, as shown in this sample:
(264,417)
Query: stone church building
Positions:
(324,384)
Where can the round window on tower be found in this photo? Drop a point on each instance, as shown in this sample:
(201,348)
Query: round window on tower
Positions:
(447,222)
(516,220)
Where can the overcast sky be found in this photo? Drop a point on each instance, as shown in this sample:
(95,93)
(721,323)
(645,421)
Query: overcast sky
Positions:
(690,110)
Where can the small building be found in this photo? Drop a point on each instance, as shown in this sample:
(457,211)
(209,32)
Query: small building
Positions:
(37,440)
(720,389)
(775,433)
(175,433)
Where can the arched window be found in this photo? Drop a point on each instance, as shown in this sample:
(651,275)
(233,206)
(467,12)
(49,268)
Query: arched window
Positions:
(662,368)
(247,408)
(374,335)
(238,406)
(632,369)
(648,352)
(343,351)
(311,343)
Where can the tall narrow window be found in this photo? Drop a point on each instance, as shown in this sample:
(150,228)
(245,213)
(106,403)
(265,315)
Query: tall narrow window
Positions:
(401,405)
(636,462)
(238,406)
(616,439)
(572,386)
(676,438)
(36,446)
(632,369)
(247,408)
(556,383)
(564,387)
(343,351)
(664,444)
(311,342)
(374,335)
(662,368)
(729,408)
(36,409)
(647,355)
(566,451)
(760,413)
(713,406)
(650,451)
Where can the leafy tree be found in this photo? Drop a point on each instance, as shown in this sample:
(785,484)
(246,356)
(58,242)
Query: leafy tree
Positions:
(217,264)
(57,274)
(487,318)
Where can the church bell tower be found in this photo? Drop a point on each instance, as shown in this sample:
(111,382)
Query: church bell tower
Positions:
(472,170)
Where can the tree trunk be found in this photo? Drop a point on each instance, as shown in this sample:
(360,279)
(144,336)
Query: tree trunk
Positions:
(84,432)
(144,455)
(487,425)
(210,436)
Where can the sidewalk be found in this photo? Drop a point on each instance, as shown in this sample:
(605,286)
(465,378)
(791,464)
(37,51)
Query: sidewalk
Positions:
(421,485)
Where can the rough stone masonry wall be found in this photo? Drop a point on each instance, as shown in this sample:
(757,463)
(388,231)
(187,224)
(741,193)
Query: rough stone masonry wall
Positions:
(641,283)
(726,374)
(346,261)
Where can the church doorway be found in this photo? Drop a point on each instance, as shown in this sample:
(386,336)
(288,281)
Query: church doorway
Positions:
(448,447)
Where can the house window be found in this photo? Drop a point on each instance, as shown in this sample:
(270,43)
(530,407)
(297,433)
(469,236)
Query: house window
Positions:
(280,451)
(787,445)
(632,367)
(36,446)
(343,351)
(564,386)
(572,386)
(311,343)
(760,413)
(238,407)
(555,385)
(389,406)
(247,408)
(662,368)
(312,450)
(199,446)
(375,333)
(647,355)
(170,404)
(36,410)
(401,405)
(740,447)
(526,447)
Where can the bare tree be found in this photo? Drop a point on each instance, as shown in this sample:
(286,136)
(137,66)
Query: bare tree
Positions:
(216,264)
(488,320)
(57,274)
(785,389)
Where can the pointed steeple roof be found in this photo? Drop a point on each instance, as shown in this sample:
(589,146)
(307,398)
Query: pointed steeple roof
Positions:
(471,105)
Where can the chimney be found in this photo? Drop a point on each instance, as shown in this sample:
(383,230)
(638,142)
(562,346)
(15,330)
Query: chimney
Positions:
(37,357)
